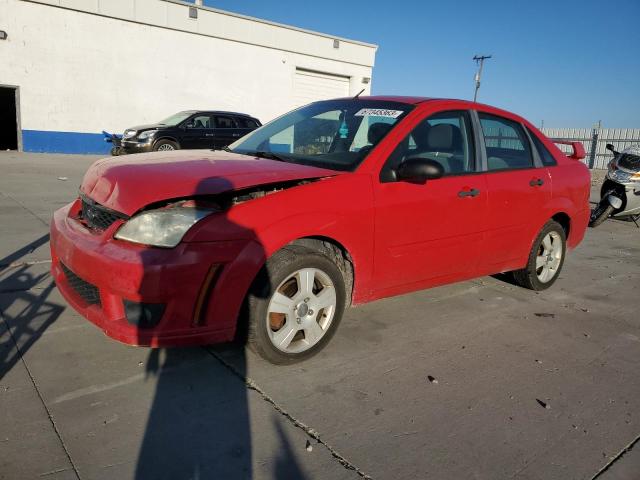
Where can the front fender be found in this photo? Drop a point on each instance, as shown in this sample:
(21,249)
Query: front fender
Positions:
(338,209)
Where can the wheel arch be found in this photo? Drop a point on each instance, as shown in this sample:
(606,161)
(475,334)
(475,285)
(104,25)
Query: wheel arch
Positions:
(337,252)
(564,220)
(166,137)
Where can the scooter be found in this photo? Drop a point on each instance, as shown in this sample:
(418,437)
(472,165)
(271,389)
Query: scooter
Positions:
(115,140)
(620,192)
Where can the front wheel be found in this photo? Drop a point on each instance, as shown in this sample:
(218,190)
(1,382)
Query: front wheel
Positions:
(295,305)
(545,259)
(165,145)
(599,214)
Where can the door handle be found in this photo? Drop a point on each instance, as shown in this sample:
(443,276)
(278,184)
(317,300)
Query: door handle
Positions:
(536,182)
(208,134)
(235,135)
(474,192)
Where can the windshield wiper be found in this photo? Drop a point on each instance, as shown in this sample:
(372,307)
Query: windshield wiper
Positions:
(267,155)
(224,149)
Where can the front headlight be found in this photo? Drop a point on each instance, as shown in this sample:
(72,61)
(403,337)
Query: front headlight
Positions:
(622,176)
(146,134)
(161,228)
(129,133)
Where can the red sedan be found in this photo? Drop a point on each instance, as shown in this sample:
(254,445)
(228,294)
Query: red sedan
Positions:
(337,203)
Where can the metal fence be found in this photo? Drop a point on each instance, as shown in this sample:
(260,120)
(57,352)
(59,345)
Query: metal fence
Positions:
(595,141)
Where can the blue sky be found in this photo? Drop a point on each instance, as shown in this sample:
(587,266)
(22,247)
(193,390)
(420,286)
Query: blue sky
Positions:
(569,63)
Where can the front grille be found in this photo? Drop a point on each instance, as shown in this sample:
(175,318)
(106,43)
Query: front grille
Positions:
(98,217)
(87,291)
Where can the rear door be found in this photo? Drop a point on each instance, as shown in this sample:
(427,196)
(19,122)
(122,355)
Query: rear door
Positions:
(519,187)
(245,125)
(226,130)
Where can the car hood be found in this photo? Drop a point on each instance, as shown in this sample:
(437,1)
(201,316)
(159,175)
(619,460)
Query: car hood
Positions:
(151,126)
(129,183)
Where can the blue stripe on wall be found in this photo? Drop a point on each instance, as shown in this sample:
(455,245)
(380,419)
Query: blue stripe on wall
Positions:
(64,142)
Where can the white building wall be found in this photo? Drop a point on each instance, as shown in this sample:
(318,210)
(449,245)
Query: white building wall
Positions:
(83,71)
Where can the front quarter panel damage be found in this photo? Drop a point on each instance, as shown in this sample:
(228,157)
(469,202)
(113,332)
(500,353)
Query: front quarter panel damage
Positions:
(337,208)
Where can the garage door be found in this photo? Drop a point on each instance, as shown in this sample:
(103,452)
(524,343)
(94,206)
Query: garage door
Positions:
(311,86)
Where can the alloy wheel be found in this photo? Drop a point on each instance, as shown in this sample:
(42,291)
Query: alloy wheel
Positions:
(549,257)
(301,310)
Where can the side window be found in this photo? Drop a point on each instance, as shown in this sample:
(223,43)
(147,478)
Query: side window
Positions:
(224,122)
(444,137)
(545,155)
(506,143)
(244,122)
(200,121)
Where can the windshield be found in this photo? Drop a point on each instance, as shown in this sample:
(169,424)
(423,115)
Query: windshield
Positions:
(335,134)
(175,119)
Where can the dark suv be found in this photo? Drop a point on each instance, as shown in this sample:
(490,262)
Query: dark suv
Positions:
(189,129)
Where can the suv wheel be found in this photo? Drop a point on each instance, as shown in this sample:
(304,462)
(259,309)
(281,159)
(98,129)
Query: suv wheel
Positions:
(165,145)
(295,305)
(545,260)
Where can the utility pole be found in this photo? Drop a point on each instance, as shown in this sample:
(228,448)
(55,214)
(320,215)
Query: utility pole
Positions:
(480,61)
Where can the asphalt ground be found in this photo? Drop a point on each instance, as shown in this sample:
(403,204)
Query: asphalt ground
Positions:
(477,380)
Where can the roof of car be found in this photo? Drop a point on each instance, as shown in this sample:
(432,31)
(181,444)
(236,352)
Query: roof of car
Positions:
(397,98)
(411,100)
(219,112)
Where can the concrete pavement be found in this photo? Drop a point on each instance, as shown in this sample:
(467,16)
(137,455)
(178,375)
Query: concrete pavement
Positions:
(480,379)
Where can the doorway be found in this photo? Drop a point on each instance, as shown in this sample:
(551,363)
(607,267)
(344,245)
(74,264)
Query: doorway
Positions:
(9,131)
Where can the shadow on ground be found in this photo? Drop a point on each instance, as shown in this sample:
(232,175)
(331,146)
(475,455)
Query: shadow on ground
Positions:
(199,425)
(35,313)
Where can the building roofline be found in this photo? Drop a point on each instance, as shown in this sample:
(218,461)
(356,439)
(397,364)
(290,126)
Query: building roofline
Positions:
(275,24)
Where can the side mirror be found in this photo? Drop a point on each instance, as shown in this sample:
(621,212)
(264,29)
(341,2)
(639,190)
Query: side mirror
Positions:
(419,170)
(610,147)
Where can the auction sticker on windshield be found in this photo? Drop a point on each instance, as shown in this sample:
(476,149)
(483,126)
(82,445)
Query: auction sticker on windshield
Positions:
(378,112)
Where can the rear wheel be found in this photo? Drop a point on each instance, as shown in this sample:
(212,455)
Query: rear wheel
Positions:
(165,145)
(295,305)
(545,259)
(599,214)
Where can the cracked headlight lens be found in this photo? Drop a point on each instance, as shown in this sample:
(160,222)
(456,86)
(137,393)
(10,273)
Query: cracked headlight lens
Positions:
(163,227)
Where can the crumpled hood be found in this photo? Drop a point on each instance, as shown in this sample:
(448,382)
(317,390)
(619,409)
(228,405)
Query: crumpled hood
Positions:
(150,126)
(128,183)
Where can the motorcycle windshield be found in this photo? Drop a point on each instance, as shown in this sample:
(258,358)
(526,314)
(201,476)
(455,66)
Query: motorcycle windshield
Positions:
(629,161)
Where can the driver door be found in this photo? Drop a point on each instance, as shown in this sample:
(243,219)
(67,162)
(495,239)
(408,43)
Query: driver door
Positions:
(198,132)
(431,233)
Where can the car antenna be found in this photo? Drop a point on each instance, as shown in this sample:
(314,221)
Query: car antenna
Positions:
(358,94)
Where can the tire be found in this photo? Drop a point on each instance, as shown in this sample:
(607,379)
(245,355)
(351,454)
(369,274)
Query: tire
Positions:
(279,302)
(545,259)
(165,145)
(115,151)
(599,214)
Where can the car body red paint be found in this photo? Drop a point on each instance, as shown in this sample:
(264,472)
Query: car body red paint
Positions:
(399,236)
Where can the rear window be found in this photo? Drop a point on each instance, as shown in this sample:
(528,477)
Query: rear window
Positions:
(545,155)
